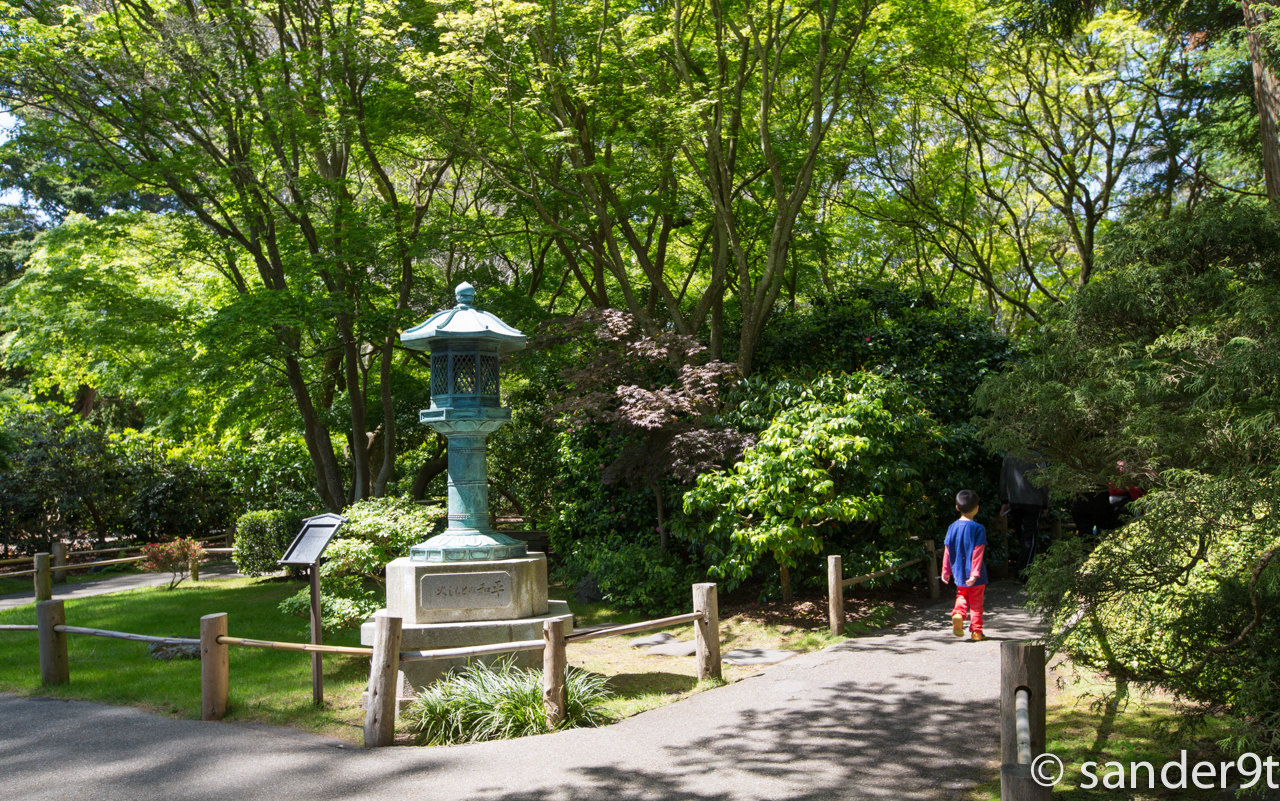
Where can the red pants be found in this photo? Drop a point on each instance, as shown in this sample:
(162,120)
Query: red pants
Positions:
(969,604)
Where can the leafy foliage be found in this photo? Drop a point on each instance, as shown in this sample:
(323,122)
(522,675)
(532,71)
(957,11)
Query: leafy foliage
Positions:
(66,477)
(654,392)
(632,575)
(942,350)
(379,530)
(498,702)
(637,410)
(852,449)
(175,557)
(1165,362)
(301,159)
(345,601)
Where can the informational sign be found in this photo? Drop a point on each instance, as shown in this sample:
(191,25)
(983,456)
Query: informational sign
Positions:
(466,590)
(312,540)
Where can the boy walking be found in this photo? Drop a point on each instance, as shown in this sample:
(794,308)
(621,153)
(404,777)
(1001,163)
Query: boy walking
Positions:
(962,557)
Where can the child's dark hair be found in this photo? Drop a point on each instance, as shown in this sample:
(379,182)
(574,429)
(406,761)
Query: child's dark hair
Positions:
(966,501)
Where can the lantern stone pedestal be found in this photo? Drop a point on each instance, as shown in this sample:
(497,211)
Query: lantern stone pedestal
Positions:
(458,604)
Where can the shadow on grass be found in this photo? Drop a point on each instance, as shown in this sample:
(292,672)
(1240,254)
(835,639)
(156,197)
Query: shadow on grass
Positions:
(629,685)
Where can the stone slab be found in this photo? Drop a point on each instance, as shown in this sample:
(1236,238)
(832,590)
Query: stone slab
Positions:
(756,656)
(676,648)
(660,638)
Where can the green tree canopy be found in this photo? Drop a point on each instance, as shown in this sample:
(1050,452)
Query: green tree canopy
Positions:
(1161,373)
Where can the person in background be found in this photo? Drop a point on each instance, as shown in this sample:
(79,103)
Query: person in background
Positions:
(962,557)
(1104,510)
(1025,504)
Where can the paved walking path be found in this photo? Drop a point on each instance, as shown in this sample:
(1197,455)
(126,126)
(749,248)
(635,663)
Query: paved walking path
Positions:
(908,714)
(113,582)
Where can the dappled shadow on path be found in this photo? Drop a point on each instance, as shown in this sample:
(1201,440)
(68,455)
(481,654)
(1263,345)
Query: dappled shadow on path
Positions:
(858,742)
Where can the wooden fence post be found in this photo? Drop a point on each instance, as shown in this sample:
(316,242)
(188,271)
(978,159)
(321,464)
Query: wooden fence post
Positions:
(935,579)
(59,550)
(43,581)
(55,668)
(384,674)
(215,667)
(1021,669)
(193,567)
(835,593)
(554,663)
(706,632)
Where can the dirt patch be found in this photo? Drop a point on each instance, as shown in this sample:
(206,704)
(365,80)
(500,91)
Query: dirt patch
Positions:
(810,614)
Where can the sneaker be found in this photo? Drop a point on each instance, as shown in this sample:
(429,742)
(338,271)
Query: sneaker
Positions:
(957,625)
(977,636)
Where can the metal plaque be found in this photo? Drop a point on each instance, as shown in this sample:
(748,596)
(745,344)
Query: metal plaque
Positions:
(465,590)
(312,540)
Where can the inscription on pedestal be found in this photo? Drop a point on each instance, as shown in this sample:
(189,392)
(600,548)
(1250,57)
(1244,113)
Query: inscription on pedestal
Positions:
(465,590)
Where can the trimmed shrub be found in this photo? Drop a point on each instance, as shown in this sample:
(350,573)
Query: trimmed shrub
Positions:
(500,702)
(262,538)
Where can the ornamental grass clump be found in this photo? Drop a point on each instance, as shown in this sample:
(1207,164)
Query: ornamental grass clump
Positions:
(499,702)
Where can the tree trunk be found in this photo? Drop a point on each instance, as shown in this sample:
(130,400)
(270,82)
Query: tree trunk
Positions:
(1266,89)
(99,525)
(358,437)
(319,443)
(661,509)
(785,574)
(388,465)
(422,479)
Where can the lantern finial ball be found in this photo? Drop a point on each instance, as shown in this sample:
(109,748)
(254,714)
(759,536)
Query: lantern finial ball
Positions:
(465,294)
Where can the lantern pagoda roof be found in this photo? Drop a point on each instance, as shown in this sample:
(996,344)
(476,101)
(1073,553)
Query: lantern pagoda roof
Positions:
(463,321)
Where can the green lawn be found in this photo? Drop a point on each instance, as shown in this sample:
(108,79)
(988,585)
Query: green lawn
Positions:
(266,686)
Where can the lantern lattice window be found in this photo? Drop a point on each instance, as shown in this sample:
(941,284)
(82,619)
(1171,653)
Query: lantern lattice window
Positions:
(464,374)
(439,374)
(488,374)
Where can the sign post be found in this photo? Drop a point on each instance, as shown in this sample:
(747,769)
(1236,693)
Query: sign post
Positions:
(305,551)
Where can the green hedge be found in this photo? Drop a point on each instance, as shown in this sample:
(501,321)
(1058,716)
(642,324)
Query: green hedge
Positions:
(262,538)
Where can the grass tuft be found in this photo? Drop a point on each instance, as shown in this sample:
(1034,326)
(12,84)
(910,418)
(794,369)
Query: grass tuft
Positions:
(500,702)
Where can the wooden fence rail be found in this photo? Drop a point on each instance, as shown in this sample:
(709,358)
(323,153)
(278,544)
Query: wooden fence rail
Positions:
(472,650)
(348,650)
(632,628)
(101,563)
(56,546)
(836,583)
(125,635)
(48,566)
(384,657)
